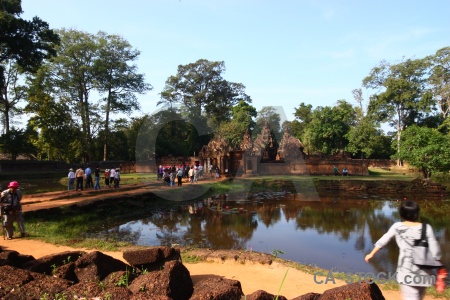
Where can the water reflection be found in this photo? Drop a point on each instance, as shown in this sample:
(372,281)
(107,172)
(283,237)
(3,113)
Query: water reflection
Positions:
(333,233)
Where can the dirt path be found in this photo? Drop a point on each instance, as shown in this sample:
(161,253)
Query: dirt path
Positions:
(253,276)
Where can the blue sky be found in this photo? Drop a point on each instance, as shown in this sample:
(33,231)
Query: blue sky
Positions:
(284,52)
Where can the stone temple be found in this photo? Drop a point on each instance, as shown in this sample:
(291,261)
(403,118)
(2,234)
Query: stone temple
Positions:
(262,156)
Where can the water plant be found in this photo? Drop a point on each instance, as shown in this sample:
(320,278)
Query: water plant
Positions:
(276,252)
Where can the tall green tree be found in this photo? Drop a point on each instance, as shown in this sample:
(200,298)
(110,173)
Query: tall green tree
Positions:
(201,88)
(402,99)
(12,93)
(59,134)
(89,65)
(117,79)
(23,47)
(303,115)
(426,149)
(167,132)
(365,138)
(74,79)
(328,128)
(242,119)
(439,79)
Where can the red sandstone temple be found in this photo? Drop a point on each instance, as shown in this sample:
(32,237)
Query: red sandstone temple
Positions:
(264,156)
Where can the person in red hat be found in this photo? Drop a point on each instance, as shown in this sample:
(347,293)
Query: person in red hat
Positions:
(11,210)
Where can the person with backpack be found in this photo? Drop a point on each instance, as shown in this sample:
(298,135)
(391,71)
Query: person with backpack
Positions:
(11,210)
(413,279)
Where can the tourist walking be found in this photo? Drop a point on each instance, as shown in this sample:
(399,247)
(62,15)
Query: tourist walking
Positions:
(116,178)
(88,176)
(405,233)
(217,173)
(106,174)
(71,177)
(79,176)
(180,176)
(160,172)
(166,176)
(186,172)
(97,178)
(191,174)
(196,174)
(112,174)
(11,210)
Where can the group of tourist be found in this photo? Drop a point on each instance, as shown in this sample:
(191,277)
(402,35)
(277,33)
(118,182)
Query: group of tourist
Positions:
(168,174)
(111,176)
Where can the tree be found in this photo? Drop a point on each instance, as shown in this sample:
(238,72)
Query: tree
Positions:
(365,138)
(439,79)
(165,133)
(16,142)
(303,114)
(241,120)
(268,115)
(52,118)
(328,128)
(12,93)
(117,79)
(426,149)
(201,88)
(24,46)
(74,78)
(403,99)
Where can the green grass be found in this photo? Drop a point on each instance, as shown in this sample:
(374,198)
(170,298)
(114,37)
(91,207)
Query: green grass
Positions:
(41,182)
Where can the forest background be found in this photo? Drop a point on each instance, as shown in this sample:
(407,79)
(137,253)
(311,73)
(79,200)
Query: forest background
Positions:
(73,86)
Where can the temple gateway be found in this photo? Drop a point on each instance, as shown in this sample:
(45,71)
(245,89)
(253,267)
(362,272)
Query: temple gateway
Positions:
(265,156)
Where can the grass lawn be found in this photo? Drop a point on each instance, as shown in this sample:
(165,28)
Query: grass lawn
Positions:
(41,182)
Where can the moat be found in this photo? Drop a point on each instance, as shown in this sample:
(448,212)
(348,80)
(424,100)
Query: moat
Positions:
(333,232)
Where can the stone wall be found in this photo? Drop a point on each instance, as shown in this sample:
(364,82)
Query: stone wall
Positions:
(355,167)
(415,189)
(40,166)
(32,166)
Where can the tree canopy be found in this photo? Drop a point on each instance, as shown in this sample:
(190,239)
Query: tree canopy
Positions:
(201,88)
(24,45)
(426,149)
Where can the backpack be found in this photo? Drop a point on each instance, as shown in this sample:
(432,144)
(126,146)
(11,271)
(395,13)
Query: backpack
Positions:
(14,205)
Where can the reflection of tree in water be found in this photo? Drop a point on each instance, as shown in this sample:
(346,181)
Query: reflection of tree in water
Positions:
(217,229)
(168,224)
(360,219)
(269,213)
(121,233)
(341,222)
